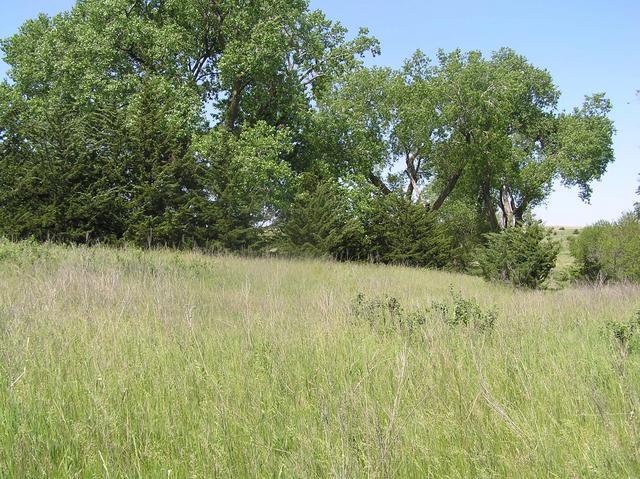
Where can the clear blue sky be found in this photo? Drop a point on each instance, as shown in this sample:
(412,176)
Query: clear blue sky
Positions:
(588,46)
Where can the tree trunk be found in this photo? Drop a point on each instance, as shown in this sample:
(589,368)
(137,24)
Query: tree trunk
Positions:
(412,173)
(444,194)
(489,208)
(376,181)
(507,207)
(234,105)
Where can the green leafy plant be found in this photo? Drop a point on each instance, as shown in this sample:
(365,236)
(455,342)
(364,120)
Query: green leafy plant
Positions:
(609,251)
(626,334)
(466,312)
(386,314)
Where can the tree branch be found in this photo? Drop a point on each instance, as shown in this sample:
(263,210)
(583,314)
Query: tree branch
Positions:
(376,181)
(448,189)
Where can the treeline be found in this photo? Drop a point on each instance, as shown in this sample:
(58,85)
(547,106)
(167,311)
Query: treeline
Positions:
(256,126)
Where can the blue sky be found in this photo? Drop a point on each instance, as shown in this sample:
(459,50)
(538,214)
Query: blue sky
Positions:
(588,46)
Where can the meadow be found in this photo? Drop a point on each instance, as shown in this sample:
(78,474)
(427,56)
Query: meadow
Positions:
(123,363)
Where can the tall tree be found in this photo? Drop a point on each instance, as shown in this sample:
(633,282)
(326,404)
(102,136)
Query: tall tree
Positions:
(487,129)
(123,103)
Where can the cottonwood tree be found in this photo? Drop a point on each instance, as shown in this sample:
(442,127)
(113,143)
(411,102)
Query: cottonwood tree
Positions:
(487,129)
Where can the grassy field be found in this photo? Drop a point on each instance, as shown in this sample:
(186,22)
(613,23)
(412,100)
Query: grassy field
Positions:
(121,363)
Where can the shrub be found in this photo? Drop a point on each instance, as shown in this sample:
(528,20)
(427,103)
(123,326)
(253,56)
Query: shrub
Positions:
(466,312)
(322,223)
(23,253)
(464,225)
(609,251)
(401,232)
(522,255)
(386,314)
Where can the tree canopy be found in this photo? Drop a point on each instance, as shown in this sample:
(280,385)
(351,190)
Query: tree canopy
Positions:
(215,122)
(487,130)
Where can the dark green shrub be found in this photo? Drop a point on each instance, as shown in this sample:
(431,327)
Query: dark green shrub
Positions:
(609,251)
(401,232)
(464,225)
(322,222)
(522,255)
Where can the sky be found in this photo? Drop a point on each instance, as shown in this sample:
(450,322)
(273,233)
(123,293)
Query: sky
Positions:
(587,45)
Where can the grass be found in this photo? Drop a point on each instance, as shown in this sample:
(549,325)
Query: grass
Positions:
(565,262)
(122,363)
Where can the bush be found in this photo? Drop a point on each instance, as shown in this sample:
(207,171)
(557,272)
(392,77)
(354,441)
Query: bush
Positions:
(465,226)
(23,253)
(386,315)
(322,222)
(522,255)
(609,251)
(401,232)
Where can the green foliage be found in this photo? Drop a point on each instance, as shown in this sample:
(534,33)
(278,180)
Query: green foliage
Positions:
(609,251)
(23,253)
(402,232)
(626,334)
(500,138)
(464,227)
(330,221)
(322,222)
(191,123)
(461,311)
(106,132)
(386,315)
(523,256)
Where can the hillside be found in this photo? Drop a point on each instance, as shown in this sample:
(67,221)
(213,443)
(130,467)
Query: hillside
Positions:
(124,363)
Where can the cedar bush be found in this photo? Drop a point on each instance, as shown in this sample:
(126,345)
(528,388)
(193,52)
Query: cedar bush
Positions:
(322,222)
(402,232)
(522,255)
(387,229)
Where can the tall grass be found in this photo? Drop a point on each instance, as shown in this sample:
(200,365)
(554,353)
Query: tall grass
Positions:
(121,363)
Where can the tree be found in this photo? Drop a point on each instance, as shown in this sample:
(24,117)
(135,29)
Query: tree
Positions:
(609,251)
(113,124)
(487,129)
(637,205)
(405,233)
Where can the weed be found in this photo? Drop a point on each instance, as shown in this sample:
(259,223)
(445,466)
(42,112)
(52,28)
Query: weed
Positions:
(461,311)
(386,314)
(626,334)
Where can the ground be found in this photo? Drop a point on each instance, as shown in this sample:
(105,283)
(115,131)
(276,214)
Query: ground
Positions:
(123,363)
